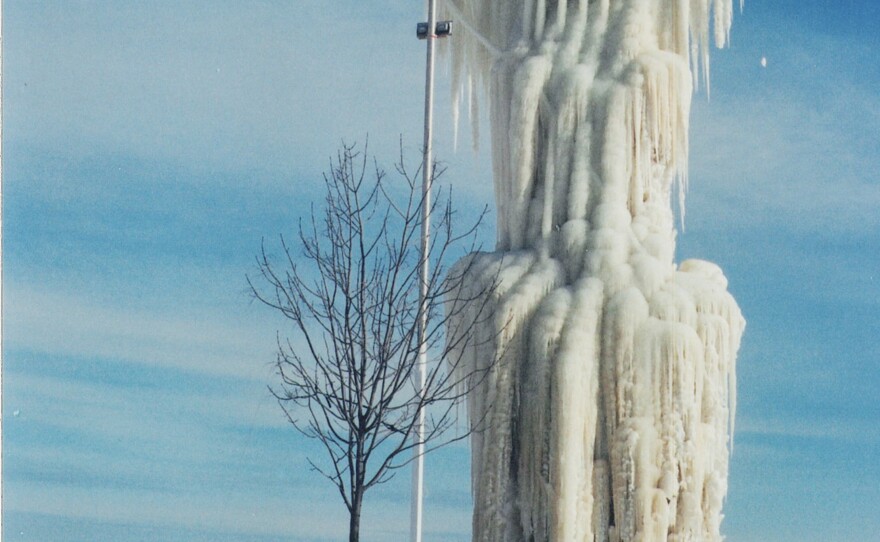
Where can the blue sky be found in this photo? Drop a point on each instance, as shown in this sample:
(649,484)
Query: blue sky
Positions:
(147,148)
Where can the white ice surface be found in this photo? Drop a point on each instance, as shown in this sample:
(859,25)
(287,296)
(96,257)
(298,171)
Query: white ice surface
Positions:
(608,413)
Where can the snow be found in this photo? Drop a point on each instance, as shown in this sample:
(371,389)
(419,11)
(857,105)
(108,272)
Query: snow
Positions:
(608,411)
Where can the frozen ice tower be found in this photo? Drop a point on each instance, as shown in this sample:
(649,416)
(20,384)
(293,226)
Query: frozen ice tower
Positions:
(607,413)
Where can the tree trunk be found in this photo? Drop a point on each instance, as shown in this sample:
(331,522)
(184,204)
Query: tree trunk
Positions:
(354,523)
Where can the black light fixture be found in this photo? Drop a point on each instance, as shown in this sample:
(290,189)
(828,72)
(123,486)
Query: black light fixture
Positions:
(441,29)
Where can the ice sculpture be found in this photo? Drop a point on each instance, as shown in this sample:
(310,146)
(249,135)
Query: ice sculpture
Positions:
(607,414)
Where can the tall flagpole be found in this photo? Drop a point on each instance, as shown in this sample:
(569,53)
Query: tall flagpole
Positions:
(418,480)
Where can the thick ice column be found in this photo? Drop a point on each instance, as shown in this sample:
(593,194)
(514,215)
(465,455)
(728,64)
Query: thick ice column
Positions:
(608,411)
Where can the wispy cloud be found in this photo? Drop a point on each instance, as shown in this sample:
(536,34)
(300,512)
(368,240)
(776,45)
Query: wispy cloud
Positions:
(61,322)
(841,429)
(792,144)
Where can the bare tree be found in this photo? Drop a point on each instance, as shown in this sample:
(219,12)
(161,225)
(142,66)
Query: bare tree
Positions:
(352,295)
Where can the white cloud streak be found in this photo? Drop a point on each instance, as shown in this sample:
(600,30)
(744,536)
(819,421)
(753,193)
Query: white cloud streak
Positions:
(65,323)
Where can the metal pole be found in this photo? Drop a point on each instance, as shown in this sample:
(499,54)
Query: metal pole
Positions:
(418,481)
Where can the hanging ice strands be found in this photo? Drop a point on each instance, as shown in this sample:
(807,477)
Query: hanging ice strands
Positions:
(609,411)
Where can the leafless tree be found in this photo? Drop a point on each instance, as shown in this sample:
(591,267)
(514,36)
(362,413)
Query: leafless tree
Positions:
(352,296)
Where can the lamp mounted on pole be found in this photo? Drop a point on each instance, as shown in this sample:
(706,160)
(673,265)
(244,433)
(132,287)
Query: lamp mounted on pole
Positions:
(427,31)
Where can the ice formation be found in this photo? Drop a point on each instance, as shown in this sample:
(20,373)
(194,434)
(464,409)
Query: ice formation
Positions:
(607,414)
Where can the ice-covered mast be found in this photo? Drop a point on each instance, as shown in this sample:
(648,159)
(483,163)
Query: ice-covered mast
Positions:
(609,407)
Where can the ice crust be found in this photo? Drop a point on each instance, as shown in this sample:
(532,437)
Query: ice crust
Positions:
(608,411)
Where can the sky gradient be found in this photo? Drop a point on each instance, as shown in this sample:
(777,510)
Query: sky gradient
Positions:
(148,147)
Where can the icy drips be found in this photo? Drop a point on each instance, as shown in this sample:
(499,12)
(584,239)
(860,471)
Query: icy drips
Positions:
(608,411)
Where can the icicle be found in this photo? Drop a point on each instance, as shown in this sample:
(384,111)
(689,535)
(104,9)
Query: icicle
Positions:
(610,402)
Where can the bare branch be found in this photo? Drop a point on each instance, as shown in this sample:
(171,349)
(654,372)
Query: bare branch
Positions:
(351,294)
